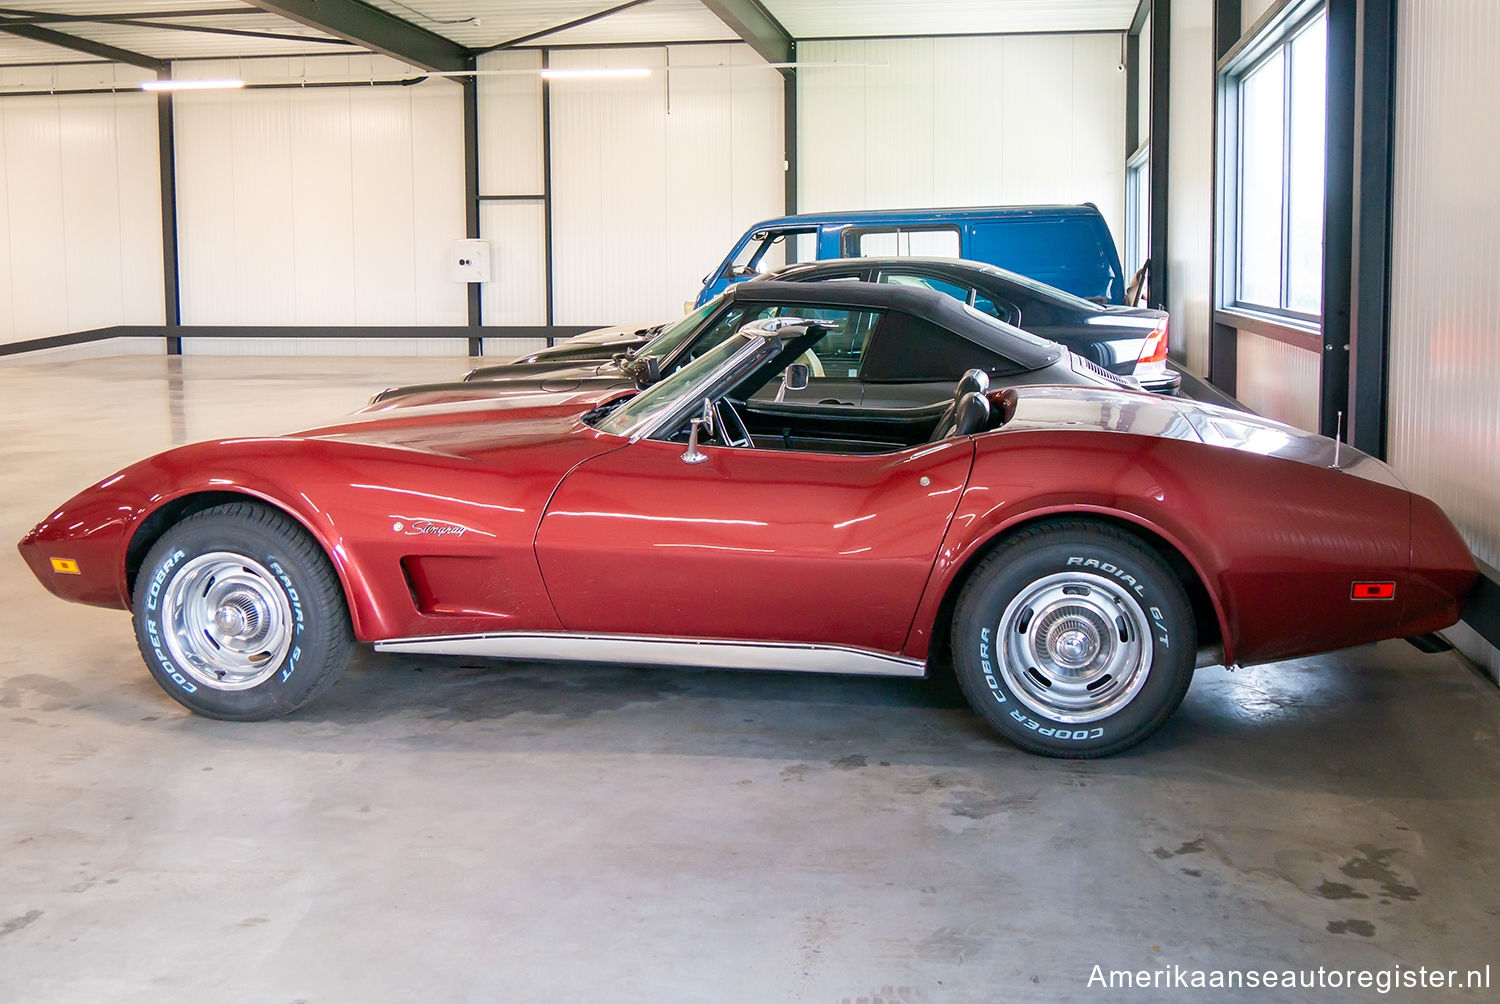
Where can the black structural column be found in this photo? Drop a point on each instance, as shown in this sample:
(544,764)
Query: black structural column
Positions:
(1338,217)
(470,86)
(789,139)
(167,167)
(547,186)
(1369,346)
(1223,339)
(1161,99)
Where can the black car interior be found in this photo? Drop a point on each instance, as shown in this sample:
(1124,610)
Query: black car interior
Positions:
(752,422)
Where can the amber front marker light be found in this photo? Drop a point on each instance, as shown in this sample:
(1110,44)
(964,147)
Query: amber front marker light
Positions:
(66,566)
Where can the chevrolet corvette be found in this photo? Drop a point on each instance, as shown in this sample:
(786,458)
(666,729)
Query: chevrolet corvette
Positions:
(1078,552)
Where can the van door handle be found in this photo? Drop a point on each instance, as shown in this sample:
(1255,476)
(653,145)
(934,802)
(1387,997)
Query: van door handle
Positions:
(829,400)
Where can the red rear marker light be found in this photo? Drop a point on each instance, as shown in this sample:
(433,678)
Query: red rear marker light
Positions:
(1155,348)
(1373,591)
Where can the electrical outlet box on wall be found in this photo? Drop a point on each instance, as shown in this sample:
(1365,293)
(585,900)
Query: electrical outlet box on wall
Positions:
(469,261)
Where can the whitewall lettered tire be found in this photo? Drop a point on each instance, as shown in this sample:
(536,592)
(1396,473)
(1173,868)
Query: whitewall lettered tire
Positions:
(1074,638)
(239,614)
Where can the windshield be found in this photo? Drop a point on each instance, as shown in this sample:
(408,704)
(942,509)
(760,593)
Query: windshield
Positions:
(678,332)
(651,404)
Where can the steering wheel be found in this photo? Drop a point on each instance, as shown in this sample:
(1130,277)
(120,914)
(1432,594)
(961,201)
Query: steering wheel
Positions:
(729,426)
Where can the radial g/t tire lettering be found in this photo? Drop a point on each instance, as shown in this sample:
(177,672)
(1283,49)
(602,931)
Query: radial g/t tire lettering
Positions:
(239,614)
(1074,639)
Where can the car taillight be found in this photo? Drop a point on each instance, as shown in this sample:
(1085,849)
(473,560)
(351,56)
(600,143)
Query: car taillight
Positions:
(1155,348)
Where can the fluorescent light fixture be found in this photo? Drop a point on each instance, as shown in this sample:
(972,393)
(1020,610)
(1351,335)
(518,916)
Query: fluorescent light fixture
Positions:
(597,73)
(190,85)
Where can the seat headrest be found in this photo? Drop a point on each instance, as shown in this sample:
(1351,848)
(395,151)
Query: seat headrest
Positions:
(972,414)
(976,381)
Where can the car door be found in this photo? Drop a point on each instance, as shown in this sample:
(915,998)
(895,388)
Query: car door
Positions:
(750,544)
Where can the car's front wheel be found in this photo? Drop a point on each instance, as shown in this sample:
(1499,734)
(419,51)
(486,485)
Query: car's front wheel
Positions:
(1074,639)
(239,614)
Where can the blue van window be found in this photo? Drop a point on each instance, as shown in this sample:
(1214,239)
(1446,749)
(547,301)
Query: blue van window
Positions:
(902,242)
(1061,253)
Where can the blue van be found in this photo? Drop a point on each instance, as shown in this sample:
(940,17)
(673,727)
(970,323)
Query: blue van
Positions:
(1068,247)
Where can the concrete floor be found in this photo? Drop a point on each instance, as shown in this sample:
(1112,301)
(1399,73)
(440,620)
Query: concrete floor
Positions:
(449,830)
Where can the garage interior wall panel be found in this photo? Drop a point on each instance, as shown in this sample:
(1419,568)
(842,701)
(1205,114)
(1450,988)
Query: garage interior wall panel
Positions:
(517,291)
(1190,184)
(995,120)
(653,178)
(1250,11)
(327,205)
(1444,411)
(510,117)
(1278,380)
(80,203)
(1143,86)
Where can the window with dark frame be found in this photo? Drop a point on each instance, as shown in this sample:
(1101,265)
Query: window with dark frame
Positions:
(1272,152)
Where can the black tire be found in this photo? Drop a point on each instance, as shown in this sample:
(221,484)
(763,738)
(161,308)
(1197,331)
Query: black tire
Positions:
(288,583)
(1045,706)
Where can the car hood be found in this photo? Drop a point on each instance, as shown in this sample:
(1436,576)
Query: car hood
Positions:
(467,420)
(607,336)
(1059,408)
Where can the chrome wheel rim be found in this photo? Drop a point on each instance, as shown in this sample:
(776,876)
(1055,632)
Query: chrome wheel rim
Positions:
(1075,647)
(227,620)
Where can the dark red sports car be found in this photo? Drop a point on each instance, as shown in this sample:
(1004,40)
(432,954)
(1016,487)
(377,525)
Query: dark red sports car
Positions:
(1074,548)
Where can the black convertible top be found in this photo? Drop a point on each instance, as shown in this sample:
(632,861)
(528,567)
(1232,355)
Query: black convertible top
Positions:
(1009,341)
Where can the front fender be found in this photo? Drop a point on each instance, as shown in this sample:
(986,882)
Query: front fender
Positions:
(373,510)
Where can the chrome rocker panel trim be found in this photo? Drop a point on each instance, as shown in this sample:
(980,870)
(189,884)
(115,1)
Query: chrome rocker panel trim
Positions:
(653,651)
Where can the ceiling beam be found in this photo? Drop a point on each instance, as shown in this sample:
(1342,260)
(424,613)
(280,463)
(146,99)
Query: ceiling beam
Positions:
(238,32)
(374,29)
(756,25)
(84,45)
(15,16)
(555,29)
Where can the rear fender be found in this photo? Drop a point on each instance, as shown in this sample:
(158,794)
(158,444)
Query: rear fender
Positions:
(974,531)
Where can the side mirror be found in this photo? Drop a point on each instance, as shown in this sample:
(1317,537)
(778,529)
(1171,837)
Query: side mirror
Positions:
(648,369)
(703,422)
(795,377)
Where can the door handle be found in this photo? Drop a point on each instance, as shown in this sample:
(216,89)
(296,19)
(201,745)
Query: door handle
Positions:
(829,400)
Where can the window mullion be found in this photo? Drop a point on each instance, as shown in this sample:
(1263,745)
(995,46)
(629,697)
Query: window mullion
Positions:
(1286,174)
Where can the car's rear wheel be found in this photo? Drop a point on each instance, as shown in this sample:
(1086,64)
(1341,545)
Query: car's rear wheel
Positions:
(1074,639)
(239,614)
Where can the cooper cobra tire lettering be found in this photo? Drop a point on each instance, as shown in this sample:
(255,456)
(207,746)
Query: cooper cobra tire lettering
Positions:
(321,636)
(1095,550)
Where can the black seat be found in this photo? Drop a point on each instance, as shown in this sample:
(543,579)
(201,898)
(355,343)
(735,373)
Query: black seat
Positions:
(968,415)
(975,381)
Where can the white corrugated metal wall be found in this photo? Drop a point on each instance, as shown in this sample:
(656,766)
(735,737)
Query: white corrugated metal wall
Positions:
(963,121)
(653,178)
(511,166)
(323,205)
(1444,425)
(80,203)
(1190,182)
